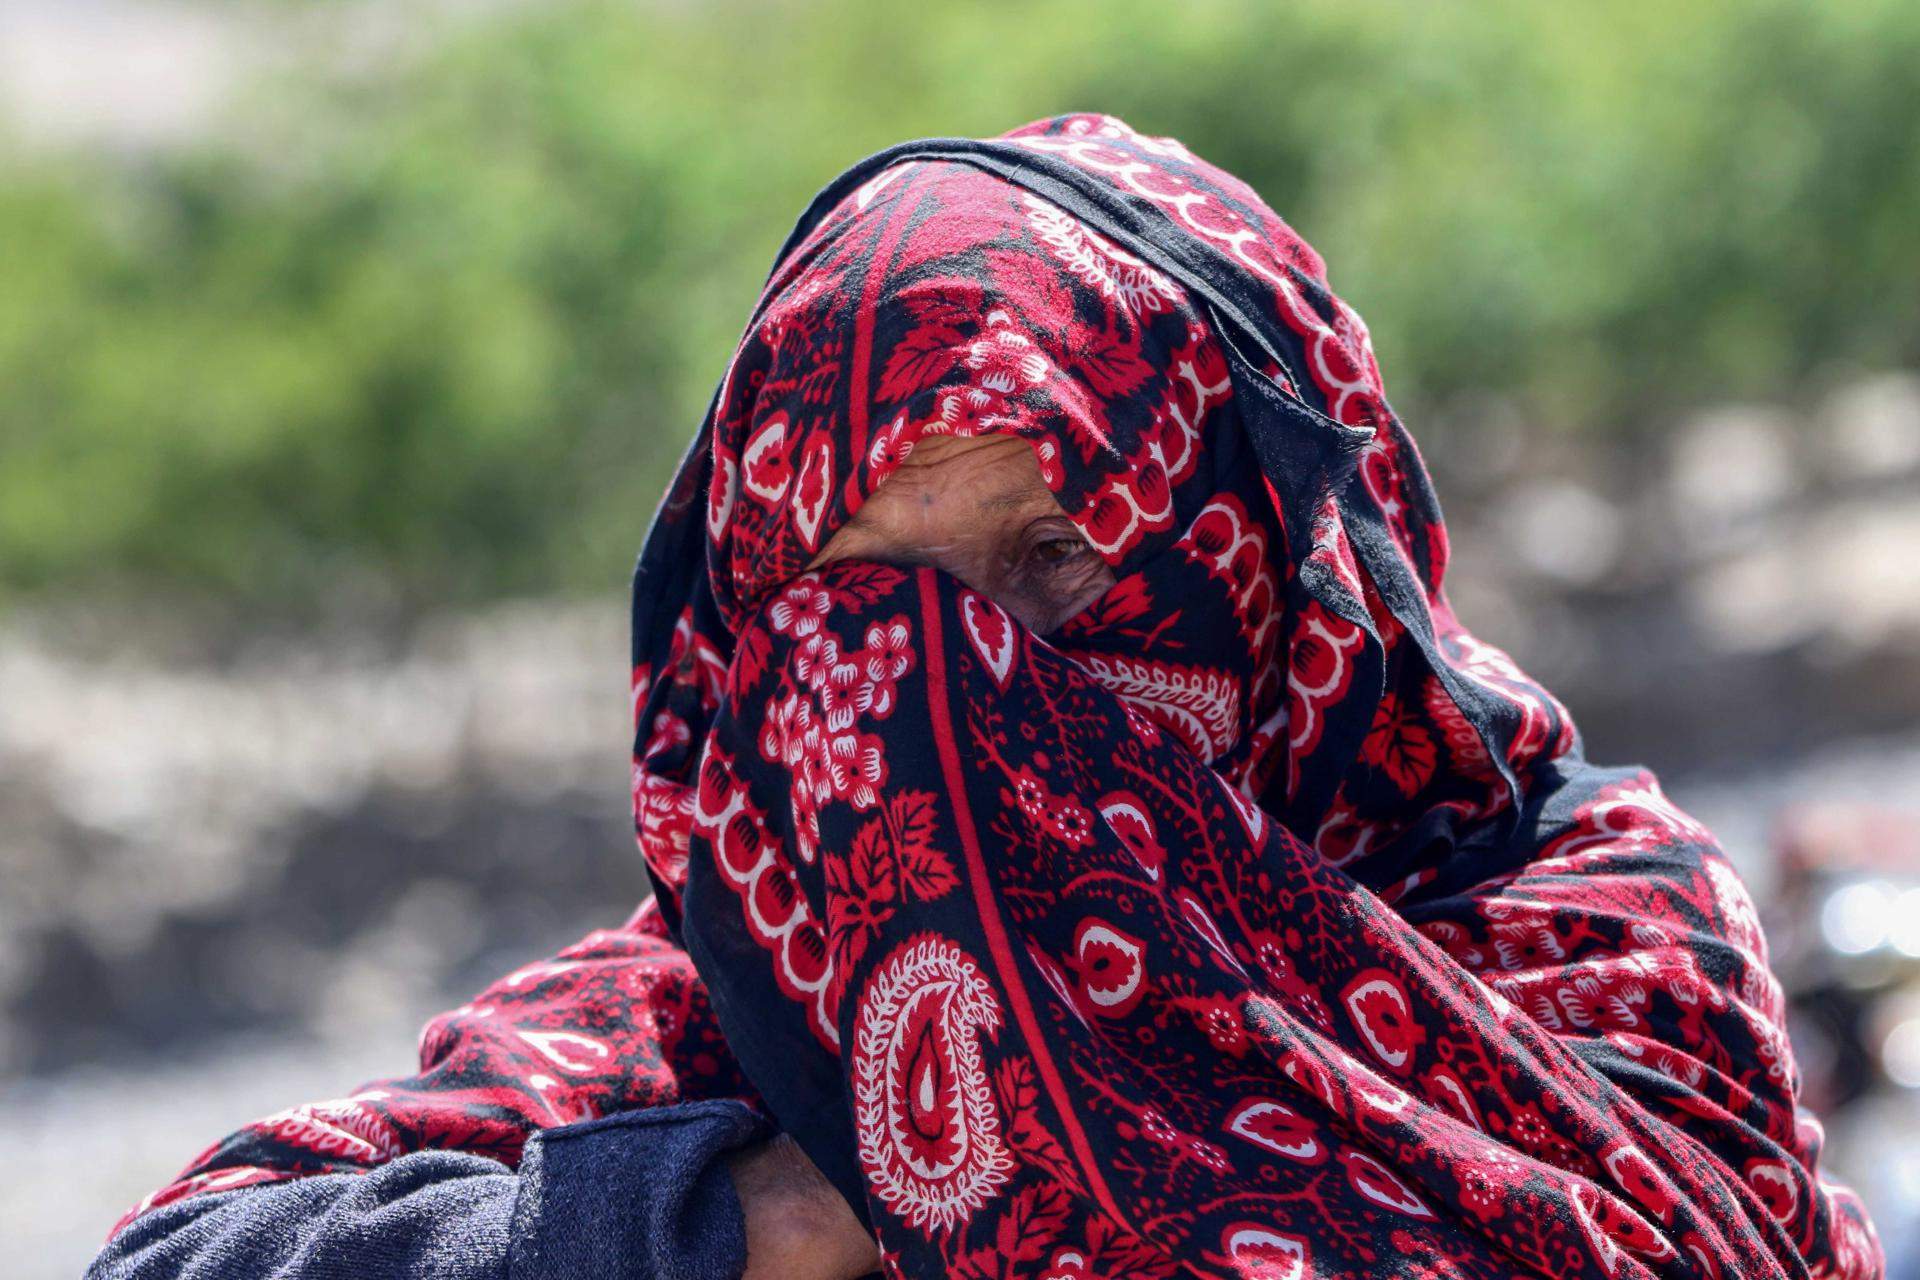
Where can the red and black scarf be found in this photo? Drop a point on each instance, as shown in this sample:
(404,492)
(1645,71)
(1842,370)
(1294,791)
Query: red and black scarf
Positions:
(1260,921)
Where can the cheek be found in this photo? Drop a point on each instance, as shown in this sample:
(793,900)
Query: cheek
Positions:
(989,570)
(1087,587)
(1045,602)
(992,569)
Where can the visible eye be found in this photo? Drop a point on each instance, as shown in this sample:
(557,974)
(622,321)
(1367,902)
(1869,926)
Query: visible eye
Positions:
(1053,573)
(1057,551)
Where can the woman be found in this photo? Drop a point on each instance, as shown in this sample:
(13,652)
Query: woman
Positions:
(1079,823)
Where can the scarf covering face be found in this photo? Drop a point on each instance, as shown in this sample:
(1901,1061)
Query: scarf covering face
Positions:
(1260,921)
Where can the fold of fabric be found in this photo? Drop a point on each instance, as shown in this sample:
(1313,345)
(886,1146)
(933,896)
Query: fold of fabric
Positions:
(642,1194)
(1262,921)
(1088,1012)
(618,1022)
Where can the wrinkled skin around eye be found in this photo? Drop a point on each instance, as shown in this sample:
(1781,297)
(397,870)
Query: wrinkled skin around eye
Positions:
(978,509)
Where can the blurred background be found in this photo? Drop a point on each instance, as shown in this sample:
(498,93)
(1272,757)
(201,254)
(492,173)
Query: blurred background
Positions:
(345,347)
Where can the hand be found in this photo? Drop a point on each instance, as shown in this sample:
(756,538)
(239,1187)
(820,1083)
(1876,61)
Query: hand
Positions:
(798,1226)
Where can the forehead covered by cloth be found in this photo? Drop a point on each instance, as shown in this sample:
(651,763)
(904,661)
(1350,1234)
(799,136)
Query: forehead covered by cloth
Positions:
(939,299)
(1199,402)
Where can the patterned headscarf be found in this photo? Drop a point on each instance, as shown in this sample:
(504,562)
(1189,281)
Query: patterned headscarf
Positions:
(1212,418)
(1259,921)
(1290,628)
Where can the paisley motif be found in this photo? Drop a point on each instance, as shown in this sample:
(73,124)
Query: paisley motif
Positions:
(992,633)
(1278,1128)
(1258,1253)
(1112,967)
(764,461)
(927,1130)
(1258,921)
(1377,1002)
(1199,705)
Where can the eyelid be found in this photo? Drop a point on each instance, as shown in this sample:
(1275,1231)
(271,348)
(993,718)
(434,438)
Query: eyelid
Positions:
(1052,528)
(1056,553)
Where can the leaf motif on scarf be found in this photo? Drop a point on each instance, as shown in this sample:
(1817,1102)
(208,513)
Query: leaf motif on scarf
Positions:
(954,302)
(867,581)
(1112,364)
(1400,746)
(1018,1095)
(918,361)
(1031,285)
(1128,600)
(491,1133)
(942,313)
(1118,1252)
(1033,1221)
(750,661)
(925,871)
(861,888)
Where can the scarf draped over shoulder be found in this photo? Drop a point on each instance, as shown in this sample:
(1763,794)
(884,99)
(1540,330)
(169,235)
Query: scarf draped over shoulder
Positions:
(1260,921)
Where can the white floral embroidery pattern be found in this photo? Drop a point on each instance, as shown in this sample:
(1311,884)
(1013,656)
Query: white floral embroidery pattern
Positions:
(1100,263)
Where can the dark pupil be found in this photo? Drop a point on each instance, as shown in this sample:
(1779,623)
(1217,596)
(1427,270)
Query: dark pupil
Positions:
(1054,550)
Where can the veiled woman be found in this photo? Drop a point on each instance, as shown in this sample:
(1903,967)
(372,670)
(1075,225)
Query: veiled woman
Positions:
(1079,823)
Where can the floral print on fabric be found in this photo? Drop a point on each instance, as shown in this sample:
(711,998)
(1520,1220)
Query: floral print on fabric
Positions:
(1080,989)
(1261,921)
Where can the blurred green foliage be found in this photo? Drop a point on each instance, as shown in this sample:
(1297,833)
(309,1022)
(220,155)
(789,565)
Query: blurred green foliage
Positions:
(444,320)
